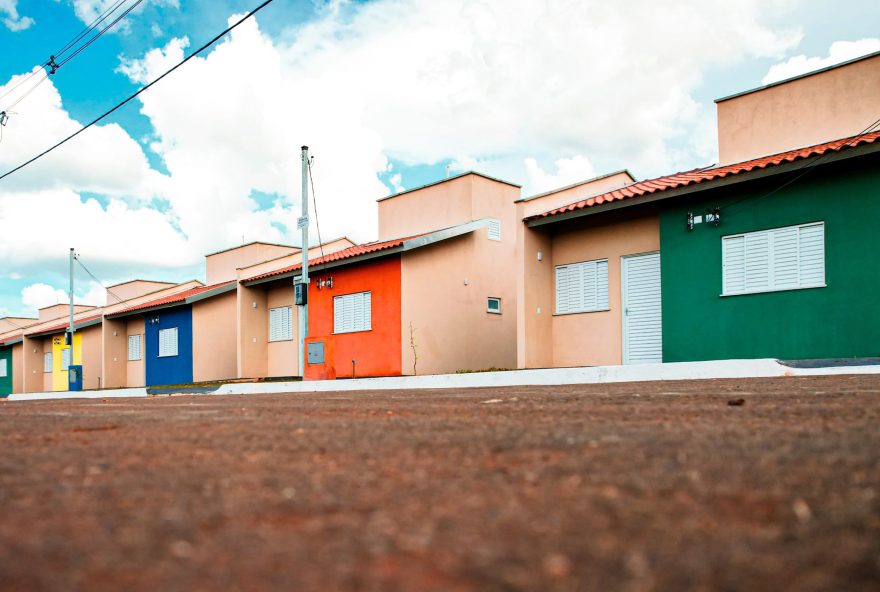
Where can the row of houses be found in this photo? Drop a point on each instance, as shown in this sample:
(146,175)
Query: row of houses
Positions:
(771,253)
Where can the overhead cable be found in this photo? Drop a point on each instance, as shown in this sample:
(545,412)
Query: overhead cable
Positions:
(140,90)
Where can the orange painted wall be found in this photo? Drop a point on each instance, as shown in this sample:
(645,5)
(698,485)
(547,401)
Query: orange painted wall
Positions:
(378,351)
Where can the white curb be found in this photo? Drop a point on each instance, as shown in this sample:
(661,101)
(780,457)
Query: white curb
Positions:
(763,368)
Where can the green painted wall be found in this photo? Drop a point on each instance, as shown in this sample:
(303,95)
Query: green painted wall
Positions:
(6,383)
(841,320)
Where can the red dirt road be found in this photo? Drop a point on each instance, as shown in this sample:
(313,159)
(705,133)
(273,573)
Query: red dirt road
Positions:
(635,487)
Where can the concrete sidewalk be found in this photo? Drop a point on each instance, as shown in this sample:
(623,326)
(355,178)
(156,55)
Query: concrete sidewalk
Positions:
(762,368)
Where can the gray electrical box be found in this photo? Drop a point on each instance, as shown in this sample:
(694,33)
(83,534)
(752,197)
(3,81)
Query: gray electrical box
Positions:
(300,294)
(316,352)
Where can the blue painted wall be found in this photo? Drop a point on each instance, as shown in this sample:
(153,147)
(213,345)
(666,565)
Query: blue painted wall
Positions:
(175,369)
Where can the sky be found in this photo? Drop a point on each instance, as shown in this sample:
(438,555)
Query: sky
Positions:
(388,95)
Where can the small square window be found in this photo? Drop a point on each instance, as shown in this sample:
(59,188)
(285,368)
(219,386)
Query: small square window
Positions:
(493,305)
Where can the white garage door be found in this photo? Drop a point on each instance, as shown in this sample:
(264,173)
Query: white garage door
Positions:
(642,321)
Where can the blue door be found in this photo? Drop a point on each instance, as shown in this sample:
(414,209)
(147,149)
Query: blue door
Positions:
(168,343)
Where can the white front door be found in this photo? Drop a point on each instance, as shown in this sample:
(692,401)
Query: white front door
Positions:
(642,324)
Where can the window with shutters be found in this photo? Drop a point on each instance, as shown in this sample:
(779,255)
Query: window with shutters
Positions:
(582,287)
(352,312)
(168,342)
(3,370)
(495,230)
(134,348)
(65,358)
(789,258)
(47,362)
(280,328)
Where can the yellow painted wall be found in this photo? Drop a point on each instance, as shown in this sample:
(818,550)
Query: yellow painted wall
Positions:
(59,376)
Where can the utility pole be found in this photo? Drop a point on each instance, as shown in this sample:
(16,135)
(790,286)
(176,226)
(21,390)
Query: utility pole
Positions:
(70,329)
(301,292)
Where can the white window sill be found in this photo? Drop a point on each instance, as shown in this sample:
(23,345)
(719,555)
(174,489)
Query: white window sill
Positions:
(281,340)
(771,290)
(565,314)
(498,312)
(168,356)
(350,332)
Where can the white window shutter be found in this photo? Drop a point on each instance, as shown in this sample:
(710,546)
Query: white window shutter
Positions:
(134,347)
(785,258)
(280,324)
(168,342)
(65,358)
(780,259)
(757,261)
(3,370)
(352,312)
(812,255)
(582,287)
(494,230)
(47,362)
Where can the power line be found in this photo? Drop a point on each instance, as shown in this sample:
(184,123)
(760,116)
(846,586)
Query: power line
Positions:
(808,167)
(315,207)
(109,291)
(82,47)
(142,89)
(91,27)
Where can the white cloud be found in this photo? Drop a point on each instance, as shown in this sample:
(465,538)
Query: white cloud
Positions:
(486,84)
(840,51)
(89,10)
(13,21)
(568,171)
(40,295)
(104,159)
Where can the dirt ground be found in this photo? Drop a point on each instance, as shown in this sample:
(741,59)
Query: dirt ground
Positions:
(633,487)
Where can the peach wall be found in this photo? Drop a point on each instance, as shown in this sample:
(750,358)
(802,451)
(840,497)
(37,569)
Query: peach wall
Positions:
(595,338)
(135,288)
(17,368)
(567,195)
(431,208)
(452,328)
(91,357)
(282,356)
(253,331)
(114,353)
(222,266)
(534,298)
(214,338)
(32,364)
(135,371)
(826,106)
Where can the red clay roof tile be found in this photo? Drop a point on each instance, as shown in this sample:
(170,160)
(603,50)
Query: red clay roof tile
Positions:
(702,175)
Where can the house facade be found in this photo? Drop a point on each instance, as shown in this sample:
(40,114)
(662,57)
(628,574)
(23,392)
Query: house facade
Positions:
(770,256)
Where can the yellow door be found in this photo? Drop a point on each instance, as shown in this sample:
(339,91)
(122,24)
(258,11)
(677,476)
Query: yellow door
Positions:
(60,355)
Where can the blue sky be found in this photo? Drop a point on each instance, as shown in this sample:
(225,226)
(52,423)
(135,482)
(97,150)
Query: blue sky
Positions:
(389,93)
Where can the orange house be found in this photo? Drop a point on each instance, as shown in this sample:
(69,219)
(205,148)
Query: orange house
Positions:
(375,350)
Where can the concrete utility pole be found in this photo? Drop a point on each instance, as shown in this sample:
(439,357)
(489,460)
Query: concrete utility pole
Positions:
(303,301)
(70,330)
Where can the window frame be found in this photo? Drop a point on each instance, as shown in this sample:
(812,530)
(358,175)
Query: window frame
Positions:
(489,309)
(493,230)
(176,342)
(69,351)
(4,370)
(770,260)
(369,327)
(607,297)
(48,357)
(289,333)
